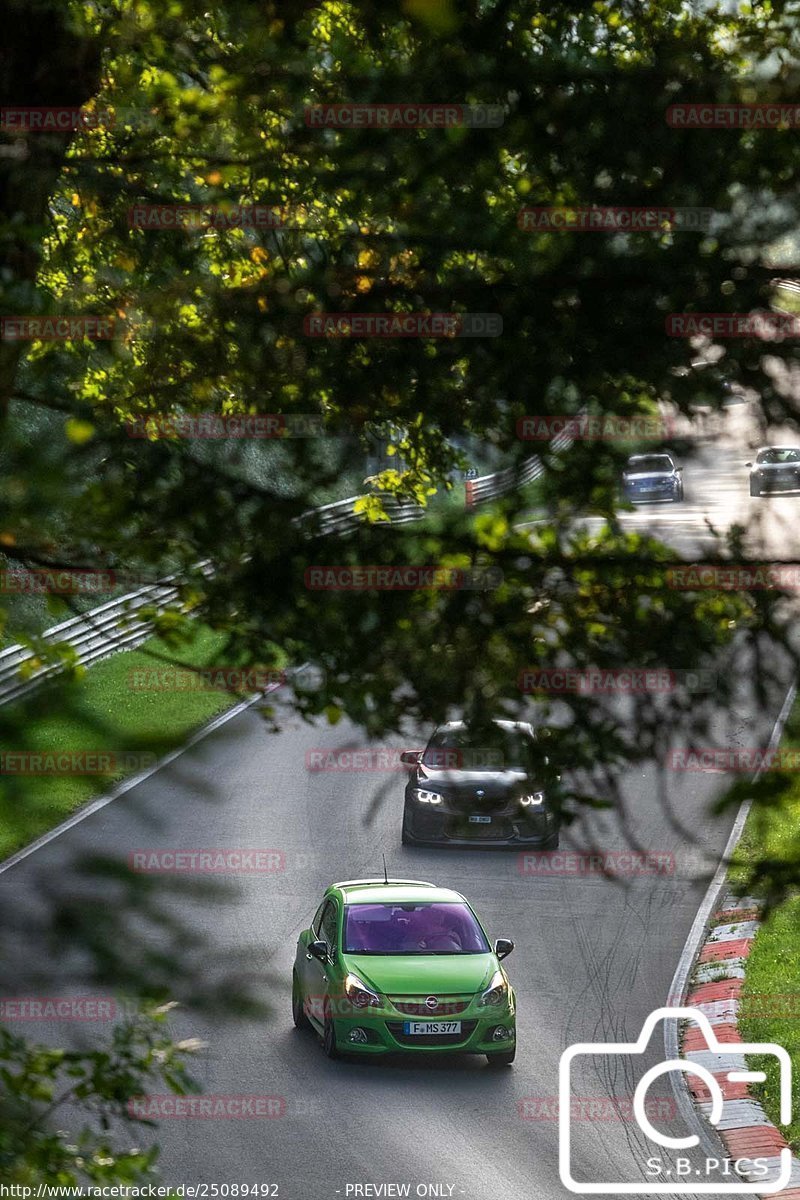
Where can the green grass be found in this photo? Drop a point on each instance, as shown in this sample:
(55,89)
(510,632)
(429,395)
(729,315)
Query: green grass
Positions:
(99,712)
(773,967)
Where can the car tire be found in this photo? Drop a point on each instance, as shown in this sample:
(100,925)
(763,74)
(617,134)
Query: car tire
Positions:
(552,842)
(501,1058)
(755,488)
(329,1035)
(299,1017)
(405,836)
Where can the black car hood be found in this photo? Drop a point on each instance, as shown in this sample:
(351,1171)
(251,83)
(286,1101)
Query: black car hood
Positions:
(495,785)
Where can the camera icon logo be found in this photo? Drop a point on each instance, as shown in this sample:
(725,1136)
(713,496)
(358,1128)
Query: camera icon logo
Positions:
(687,1066)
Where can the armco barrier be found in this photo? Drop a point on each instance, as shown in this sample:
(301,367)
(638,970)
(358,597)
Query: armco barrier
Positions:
(93,635)
(115,626)
(490,487)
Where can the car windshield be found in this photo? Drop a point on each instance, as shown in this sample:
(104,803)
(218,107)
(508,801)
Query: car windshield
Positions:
(497,749)
(436,928)
(649,462)
(778,456)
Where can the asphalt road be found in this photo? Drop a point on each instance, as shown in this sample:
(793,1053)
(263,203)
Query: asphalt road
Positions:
(593,957)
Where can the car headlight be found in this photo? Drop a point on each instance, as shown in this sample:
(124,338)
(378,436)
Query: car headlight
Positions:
(497,991)
(532,800)
(359,995)
(426,797)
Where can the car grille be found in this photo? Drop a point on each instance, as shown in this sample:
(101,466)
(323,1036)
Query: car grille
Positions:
(434,1039)
(467,802)
(418,1008)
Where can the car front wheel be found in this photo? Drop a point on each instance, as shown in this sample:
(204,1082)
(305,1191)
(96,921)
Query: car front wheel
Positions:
(501,1058)
(755,487)
(551,843)
(329,1036)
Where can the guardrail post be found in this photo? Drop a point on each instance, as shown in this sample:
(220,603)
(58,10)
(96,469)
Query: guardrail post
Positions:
(469,496)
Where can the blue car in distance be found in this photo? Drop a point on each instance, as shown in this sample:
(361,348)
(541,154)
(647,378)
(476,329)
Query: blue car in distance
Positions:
(652,477)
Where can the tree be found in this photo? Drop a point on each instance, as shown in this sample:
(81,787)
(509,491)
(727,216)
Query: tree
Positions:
(211,110)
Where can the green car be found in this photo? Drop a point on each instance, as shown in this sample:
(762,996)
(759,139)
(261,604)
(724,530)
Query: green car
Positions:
(399,965)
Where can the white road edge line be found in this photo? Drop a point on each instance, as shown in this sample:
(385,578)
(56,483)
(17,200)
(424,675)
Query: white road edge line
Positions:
(133,781)
(697,933)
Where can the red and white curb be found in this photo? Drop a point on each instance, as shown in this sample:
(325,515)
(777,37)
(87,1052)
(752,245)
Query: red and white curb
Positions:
(745,1129)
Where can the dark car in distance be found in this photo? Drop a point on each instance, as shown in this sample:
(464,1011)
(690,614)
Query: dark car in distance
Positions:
(776,469)
(652,477)
(489,787)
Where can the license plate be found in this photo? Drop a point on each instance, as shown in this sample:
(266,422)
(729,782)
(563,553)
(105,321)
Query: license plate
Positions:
(423,1027)
(480,819)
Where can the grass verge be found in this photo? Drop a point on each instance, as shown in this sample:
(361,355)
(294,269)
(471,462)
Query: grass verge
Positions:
(770,1010)
(99,712)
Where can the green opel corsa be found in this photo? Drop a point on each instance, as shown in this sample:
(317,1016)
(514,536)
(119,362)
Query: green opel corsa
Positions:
(399,965)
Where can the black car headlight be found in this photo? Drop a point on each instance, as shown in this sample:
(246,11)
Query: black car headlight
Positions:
(426,797)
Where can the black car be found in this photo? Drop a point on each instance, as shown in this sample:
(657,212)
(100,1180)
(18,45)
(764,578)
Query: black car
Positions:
(652,477)
(776,469)
(490,787)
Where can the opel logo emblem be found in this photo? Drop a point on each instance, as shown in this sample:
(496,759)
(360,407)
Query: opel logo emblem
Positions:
(480,792)
(431,1002)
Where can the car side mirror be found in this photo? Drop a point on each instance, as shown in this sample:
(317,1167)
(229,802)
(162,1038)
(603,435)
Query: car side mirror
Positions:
(503,947)
(748,464)
(319,950)
(411,757)
(679,468)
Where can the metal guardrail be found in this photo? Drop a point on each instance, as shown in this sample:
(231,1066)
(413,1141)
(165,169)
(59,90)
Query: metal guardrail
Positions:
(115,626)
(93,635)
(340,518)
(490,487)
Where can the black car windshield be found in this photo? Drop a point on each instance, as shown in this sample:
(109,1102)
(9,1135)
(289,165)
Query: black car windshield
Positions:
(437,928)
(649,462)
(498,749)
(771,457)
